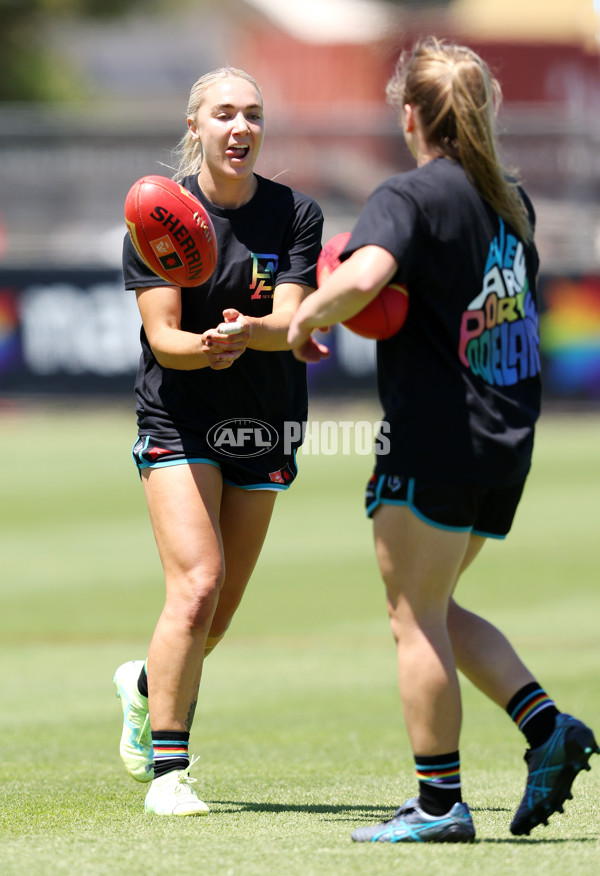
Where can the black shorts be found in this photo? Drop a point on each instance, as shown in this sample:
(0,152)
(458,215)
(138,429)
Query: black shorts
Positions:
(272,471)
(484,511)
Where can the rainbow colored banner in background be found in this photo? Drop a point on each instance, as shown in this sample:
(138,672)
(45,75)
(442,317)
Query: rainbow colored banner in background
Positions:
(76,331)
(570,333)
(9,330)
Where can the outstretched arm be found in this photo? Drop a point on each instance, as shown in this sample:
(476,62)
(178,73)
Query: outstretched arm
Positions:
(343,294)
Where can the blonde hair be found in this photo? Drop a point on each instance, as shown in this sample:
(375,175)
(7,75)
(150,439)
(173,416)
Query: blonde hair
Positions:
(457,99)
(188,153)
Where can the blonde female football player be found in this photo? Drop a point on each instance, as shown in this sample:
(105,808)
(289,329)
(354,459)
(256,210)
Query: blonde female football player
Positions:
(210,488)
(460,388)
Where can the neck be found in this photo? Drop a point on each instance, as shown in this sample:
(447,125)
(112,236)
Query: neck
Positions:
(228,194)
(428,155)
(425,152)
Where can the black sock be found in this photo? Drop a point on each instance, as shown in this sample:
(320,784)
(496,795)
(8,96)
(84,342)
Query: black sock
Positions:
(142,684)
(170,751)
(439,782)
(534,713)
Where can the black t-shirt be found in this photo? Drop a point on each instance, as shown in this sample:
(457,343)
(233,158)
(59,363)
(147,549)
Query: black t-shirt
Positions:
(460,383)
(275,238)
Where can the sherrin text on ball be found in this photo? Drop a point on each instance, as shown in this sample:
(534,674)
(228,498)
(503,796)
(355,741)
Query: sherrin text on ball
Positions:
(171,231)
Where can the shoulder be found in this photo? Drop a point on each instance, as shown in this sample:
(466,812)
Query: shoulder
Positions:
(432,178)
(434,192)
(278,192)
(404,194)
(190,183)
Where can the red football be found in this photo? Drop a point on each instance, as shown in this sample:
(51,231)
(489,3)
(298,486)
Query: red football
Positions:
(171,231)
(384,315)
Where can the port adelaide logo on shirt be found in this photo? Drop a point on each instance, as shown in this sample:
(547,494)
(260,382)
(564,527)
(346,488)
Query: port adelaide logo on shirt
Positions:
(242,437)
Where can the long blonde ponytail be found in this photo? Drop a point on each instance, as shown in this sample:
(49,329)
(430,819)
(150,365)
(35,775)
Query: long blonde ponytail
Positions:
(458,98)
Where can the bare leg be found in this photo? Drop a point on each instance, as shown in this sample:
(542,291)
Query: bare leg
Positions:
(244,521)
(483,654)
(420,565)
(209,537)
(184,502)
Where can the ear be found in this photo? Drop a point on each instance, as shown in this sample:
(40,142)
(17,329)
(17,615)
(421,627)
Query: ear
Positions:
(408,118)
(193,129)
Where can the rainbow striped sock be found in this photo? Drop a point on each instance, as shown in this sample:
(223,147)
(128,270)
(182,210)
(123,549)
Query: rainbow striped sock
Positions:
(439,782)
(170,751)
(534,713)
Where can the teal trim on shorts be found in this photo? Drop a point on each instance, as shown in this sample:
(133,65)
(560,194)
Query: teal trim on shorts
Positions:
(270,485)
(274,488)
(182,462)
(377,501)
(488,535)
(409,503)
(142,463)
(167,462)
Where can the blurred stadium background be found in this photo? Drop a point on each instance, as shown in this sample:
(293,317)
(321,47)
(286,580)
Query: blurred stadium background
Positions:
(93,96)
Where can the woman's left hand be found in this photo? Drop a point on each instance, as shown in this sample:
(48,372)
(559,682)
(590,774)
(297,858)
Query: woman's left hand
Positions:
(223,349)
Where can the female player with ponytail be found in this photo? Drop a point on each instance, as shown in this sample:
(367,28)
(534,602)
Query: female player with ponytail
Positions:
(460,389)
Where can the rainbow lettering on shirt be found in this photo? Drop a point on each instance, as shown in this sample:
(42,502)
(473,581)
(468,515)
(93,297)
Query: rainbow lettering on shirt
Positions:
(499,334)
(264,267)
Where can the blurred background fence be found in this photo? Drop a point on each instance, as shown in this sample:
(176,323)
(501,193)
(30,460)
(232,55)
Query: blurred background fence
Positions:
(71,145)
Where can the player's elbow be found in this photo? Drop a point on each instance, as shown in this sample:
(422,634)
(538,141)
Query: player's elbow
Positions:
(168,358)
(372,268)
(164,359)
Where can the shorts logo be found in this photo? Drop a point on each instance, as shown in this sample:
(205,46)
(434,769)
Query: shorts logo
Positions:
(283,476)
(156,452)
(394,483)
(242,438)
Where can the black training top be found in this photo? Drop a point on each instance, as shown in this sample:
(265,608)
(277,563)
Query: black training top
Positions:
(275,238)
(460,383)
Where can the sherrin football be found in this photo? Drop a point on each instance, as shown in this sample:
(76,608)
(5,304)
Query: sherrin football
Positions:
(384,315)
(171,231)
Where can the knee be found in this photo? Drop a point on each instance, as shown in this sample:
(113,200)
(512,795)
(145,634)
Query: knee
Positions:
(191,603)
(401,620)
(410,619)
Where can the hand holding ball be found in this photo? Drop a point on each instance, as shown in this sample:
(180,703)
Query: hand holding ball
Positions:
(384,315)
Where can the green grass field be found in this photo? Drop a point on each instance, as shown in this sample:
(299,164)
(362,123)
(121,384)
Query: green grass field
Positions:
(298,728)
